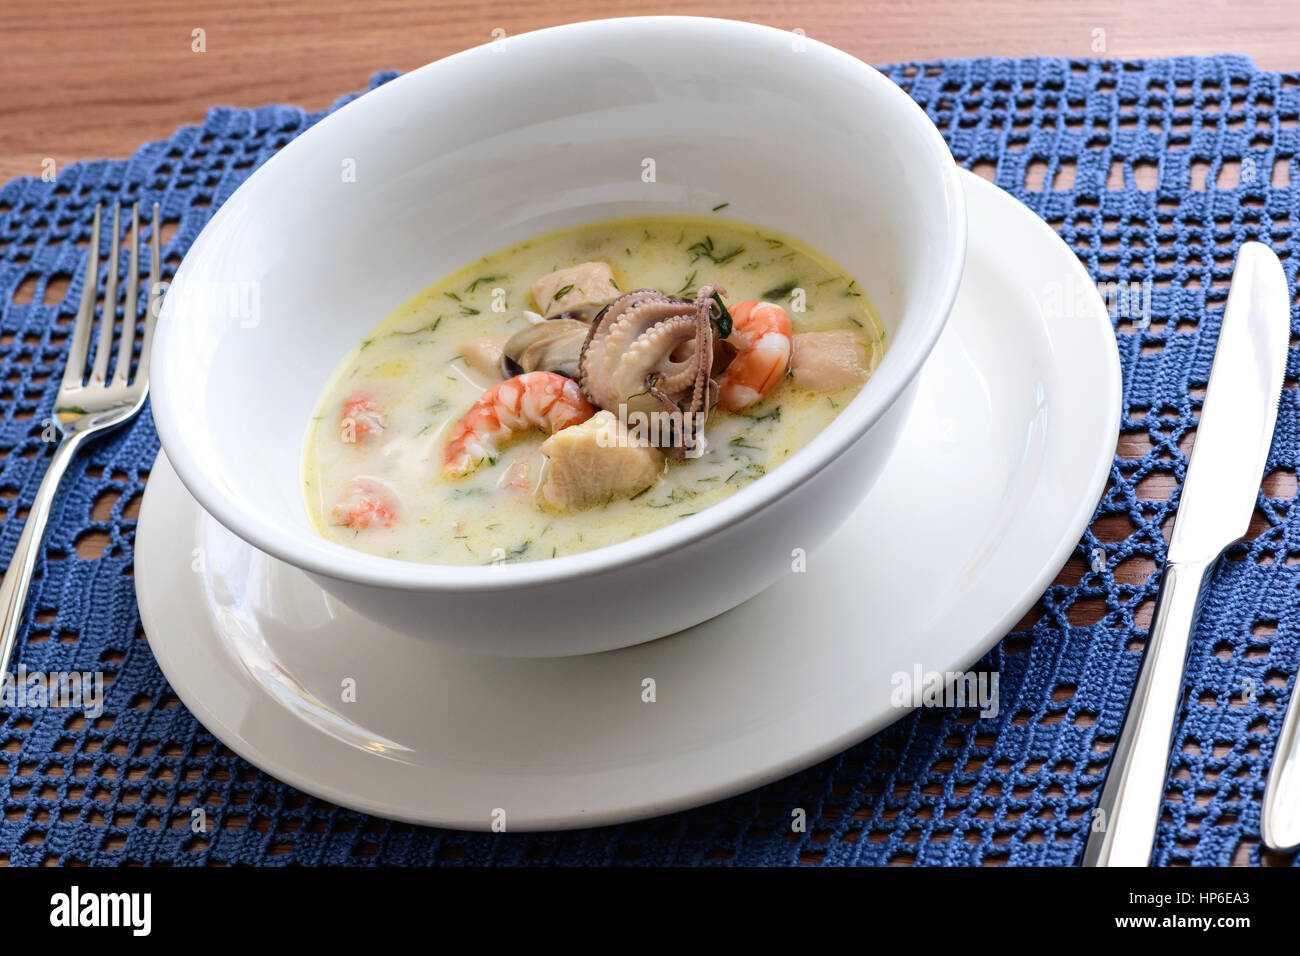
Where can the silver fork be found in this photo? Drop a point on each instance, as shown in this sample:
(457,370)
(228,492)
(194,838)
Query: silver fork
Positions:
(86,406)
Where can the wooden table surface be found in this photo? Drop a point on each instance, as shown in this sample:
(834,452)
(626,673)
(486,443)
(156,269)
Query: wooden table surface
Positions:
(84,79)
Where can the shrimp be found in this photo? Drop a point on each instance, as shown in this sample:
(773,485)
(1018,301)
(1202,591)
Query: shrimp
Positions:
(365,502)
(359,419)
(541,399)
(517,479)
(761,331)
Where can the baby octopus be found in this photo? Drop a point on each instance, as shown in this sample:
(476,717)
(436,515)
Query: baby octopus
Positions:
(648,352)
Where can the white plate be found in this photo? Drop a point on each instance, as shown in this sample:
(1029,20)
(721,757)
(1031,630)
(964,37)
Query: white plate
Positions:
(999,471)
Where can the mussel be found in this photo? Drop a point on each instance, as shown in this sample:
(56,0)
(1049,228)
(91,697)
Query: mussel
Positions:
(551,346)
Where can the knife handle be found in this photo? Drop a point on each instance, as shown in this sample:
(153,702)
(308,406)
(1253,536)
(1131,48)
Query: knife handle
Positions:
(1128,812)
(1280,823)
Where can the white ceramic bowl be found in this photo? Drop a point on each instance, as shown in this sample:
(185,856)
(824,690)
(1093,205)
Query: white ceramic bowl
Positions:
(504,142)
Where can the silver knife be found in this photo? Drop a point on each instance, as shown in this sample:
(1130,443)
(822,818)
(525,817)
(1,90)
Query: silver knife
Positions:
(1281,820)
(1223,477)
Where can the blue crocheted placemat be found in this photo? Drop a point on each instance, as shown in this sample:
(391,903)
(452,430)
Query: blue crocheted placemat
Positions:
(1154,172)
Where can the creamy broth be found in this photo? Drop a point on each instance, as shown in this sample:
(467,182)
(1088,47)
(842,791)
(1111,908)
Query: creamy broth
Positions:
(411,372)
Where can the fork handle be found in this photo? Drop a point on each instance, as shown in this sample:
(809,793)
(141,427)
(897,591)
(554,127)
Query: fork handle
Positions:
(1129,808)
(18,577)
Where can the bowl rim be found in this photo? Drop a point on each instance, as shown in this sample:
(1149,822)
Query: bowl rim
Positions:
(329,559)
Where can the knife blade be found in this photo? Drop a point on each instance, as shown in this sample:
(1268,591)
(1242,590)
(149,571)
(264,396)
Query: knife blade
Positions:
(1239,412)
(1233,437)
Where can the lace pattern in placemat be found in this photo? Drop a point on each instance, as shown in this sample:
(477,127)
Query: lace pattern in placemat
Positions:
(1153,172)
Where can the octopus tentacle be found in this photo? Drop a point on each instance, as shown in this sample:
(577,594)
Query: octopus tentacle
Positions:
(656,347)
(704,344)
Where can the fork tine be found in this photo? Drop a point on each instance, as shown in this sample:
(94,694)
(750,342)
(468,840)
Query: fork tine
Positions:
(75,372)
(125,345)
(108,314)
(155,299)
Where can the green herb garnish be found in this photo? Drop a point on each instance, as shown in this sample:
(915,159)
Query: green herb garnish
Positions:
(480,280)
(704,249)
(781,291)
(723,318)
(423,328)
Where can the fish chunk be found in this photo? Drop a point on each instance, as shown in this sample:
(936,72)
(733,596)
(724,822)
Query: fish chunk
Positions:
(591,463)
(582,289)
(483,355)
(829,361)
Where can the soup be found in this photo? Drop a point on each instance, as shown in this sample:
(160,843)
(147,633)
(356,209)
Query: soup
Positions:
(527,406)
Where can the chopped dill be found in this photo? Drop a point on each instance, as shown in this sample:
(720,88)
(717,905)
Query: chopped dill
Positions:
(704,249)
(781,291)
(720,206)
(472,492)
(424,328)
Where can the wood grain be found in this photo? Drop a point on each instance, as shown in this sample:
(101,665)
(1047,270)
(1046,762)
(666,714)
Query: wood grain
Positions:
(83,79)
